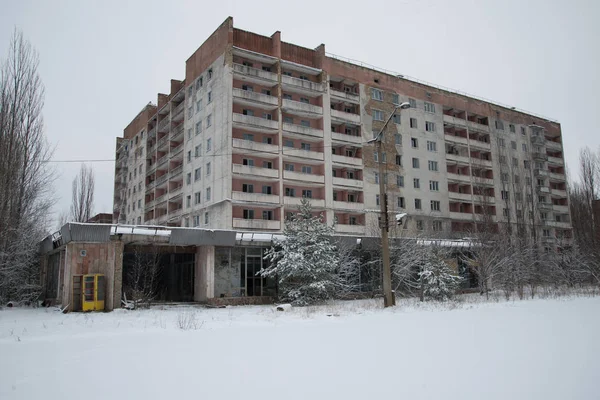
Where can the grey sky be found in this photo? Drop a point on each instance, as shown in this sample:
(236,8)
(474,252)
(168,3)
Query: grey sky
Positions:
(102,61)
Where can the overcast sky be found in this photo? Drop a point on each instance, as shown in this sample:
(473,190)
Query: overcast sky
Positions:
(102,61)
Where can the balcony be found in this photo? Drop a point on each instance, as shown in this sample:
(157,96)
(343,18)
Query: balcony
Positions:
(254,72)
(345,117)
(346,96)
(258,224)
(150,186)
(350,229)
(162,179)
(302,83)
(175,192)
(259,123)
(162,142)
(149,205)
(255,97)
(478,144)
(461,216)
(342,137)
(457,158)
(176,213)
(354,161)
(479,161)
(459,178)
(255,197)
(348,205)
(540,172)
(176,150)
(177,133)
(162,161)
(544,206)
(164,125)
(302,130)
(543,189)
(556,160)
(539,156)
(483,199)
(161,199)
(467,197)
(299,176)
(296,201)
(557,177)
(353,183)
(255,146)
(550,145)
(560,209)
(176,171)
(456,139)
(312,155)
(255,171)
(177,113)
(291,106)
(558,224)
(152,133)
(559,193)
(454,120)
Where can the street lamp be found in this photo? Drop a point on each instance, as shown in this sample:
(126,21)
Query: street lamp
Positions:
(388,297)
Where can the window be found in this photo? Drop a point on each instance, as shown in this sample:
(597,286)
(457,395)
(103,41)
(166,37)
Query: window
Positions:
(304,100)
(418,204)
(515,162)
(248,161)
(267,140)
(377,199)
(505,195)
(199,83)
(198,127)
(400,180)
(431,146)
(499,125)
(198,151)
(376,94)
(413,103)
(289,167)
(524,147)
(501,142)
(196,220)
(305,123)
(513,145)
(429,107)
(437,226)
(305,146)
(506,212)
(398,139)
(384,178)
(248,112)
(209,121)
(207,194)
(376,157)
(528,181)
(207,169)
(208,145)
(189,156)
(419,225)
(210,74)
(416,183)
(434,186)
(398,160)
(267,214)
(197,198)
(433,165)
(435,205)
(523,130)
(188,201)
(190,132)
(267,189)
(526,164)
(415,162)
(248,136)
(519,196)
(546,232)
(401,202)
(414,143)
(210,97)
(248,88)
(413,123)
(430,126)
(248,214)
(139,203)
(307,193)
(502,159)
(396,118)
(199,105)
(290,192)
(197,174)
(306,169)
(287,73)
(377,115)
(188,178)
(395,98)
(187,222)
(511,127)
(247,188)
(288,143)
(265,91)
(267,164)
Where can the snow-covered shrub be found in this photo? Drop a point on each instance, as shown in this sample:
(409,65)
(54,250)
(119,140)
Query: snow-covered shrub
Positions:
(306,262)
(186,320)
(439,281)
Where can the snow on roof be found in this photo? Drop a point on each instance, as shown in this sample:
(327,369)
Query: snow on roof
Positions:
(138,230)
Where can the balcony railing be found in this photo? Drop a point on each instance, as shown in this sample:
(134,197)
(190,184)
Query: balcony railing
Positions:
(151,133)
(559,192)
(177,132)
(481,161)
(299,176)
(303,130)
(176,171)
(253,96)
(292,105)
(557,177)
(177,149)
(162,179)
(254,72)
(296,201)
(255,146)
(456,139)
(459,177)
(255,121)
(461,216)
(258,224)
(457,158)
(553,145)
(162,142)
(350,229)
(255,197)
(160,199)
(255,171)
(162,161)
(349,205)
(539,156)
(353,183)
(339,159)
(175,191)
(460,196)
(352,97)
(313,155)
(164,125)
(177,113)
(454,120)
(175,213)
(342,137)
(556,160)
(302,83)
(346,117)
(480,145)
(560,208)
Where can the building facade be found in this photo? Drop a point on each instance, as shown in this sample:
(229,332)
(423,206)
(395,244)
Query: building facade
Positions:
(257,124)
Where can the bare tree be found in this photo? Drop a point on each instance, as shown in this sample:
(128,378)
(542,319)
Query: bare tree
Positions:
(25,178)
(82,197)
(143,275)
(62,219)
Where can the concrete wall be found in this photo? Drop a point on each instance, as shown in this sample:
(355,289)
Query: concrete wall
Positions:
(227,272)
(204,274)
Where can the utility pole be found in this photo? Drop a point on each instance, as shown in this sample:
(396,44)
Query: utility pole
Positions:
(388,297)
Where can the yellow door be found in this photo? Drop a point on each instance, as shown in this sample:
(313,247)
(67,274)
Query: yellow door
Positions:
(93,293)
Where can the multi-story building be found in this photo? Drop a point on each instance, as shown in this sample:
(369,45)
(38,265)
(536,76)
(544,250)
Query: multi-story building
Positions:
(257,124)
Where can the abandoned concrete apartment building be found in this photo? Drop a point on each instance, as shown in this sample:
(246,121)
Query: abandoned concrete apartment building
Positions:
(220,162)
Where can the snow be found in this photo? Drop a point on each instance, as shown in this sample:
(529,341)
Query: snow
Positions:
(535,349)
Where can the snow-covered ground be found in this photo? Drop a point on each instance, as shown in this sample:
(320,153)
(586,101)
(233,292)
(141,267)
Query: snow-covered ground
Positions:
(536,349)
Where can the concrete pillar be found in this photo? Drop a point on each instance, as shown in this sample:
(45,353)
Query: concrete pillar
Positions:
(204,273)
(114,276)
